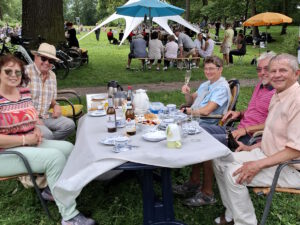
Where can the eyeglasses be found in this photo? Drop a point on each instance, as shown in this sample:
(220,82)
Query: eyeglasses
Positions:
(259,69)
(10,72)
(44,59)
(210,69)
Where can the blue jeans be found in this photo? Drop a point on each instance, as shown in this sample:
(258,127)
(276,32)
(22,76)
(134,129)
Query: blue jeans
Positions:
(219,133)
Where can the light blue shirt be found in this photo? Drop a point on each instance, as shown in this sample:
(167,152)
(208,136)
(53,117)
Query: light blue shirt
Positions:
(218,92)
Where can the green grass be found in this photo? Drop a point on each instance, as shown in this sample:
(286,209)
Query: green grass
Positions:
(120,202)
(108,62)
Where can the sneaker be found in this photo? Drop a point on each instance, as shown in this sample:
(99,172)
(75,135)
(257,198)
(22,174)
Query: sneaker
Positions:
(185,189)
(165,68)
(47,195)
(127,67)
(200,199)
(157,68)
(149,67)
(80,219)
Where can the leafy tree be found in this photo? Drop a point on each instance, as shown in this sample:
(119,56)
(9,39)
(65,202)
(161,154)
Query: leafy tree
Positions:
(10,10)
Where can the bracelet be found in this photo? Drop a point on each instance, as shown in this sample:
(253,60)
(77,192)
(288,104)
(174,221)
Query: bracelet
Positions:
(23,140)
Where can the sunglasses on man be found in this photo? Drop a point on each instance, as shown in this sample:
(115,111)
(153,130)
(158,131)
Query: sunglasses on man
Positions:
(10,72)
(44,59)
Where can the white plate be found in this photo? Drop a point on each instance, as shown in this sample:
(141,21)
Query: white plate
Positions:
(97,113)
(155,136)
(98,97)
(110,140)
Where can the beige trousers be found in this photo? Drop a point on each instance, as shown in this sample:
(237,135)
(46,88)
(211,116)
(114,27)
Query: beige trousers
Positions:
(235,197)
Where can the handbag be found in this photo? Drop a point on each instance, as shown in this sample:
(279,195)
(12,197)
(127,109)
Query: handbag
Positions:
(231,142)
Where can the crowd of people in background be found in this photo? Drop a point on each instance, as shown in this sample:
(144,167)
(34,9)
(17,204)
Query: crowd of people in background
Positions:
(6,31)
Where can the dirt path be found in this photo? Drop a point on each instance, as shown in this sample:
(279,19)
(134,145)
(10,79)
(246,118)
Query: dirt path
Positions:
(156,87)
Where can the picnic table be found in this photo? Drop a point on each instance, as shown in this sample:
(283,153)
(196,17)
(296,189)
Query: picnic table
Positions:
(90,158)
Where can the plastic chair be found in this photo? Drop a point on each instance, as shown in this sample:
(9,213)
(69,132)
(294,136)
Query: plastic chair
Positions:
(71,108)
(32,176)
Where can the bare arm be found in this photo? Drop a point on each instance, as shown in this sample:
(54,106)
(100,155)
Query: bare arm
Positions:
(251,168)
(189,98)
(204,111)
(206,46)
(247,130)
(31,139)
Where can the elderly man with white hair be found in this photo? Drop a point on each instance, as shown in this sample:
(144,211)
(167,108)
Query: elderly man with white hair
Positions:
(137,50)
(255,165)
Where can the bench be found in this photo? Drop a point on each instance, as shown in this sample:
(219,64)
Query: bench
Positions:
(188,59)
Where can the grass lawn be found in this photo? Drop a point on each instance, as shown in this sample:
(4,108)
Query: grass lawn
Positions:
(108,62)
(120,202)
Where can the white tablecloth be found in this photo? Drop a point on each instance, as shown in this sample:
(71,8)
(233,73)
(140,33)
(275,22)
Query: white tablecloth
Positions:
(90,158)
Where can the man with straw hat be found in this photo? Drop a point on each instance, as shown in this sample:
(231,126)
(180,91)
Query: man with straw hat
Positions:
(43,88)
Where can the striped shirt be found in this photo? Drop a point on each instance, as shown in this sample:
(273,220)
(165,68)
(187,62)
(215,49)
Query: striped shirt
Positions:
(42,92)
(257,110)
(17,117)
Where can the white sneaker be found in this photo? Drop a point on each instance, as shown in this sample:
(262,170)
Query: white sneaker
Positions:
(165,68)
(157,68)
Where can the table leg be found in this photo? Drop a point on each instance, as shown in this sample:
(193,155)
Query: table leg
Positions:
(158,212)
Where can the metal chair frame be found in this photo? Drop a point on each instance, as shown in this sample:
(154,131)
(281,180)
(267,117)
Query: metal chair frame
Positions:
(66,100)
(29,170)
(272,190)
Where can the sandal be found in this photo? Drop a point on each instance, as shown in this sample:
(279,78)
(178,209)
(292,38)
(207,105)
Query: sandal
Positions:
(223,221)
(200,199)
(185,189)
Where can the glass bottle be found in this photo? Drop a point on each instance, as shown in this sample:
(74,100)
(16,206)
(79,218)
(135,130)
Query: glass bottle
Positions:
(129,94)
(130,120)
(111,117)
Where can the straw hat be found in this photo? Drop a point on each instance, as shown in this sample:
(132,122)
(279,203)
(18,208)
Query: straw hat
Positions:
(46,50)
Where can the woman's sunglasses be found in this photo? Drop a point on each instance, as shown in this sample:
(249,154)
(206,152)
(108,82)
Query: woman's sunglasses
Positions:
(44,59)
(10,72)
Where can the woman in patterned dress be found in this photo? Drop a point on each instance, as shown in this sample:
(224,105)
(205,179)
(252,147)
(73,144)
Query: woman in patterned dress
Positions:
(18,132)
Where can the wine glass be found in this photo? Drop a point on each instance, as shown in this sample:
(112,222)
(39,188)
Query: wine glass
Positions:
(254,43)
(187,77)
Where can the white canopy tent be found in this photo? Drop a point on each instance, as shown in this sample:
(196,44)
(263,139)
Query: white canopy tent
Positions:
(133,22)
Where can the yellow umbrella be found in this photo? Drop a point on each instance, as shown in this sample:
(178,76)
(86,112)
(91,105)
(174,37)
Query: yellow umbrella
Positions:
(267,19)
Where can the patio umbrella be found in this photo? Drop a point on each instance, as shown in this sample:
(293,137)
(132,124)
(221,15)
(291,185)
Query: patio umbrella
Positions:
(267,19)
(150,8)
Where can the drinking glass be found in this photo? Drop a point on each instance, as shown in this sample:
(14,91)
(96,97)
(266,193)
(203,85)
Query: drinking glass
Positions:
(187,77)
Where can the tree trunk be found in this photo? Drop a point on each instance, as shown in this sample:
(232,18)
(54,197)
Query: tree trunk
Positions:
(187,9)
(44,18)
(1,15)
(205,2)
(285,12)
(255,30)
(246,15)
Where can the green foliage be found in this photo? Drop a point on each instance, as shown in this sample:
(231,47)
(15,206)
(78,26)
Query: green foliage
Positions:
(290,42)
(11,10)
